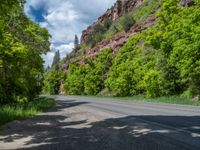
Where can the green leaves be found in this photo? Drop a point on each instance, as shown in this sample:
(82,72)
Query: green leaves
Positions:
(153,83)
(89,78)
(22,43)
(52,82)
(169,61)
(162,60)
(127,22)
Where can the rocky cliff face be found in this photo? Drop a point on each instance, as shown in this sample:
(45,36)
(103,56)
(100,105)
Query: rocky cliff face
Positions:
(119,39)
(120,8)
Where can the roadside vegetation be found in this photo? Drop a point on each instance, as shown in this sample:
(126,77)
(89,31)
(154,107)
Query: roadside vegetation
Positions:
(142,98)
(17,111)
(88,79)
(22,44)
(163,60)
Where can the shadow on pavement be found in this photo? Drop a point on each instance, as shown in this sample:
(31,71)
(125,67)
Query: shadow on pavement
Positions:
(125,133)
(60,104)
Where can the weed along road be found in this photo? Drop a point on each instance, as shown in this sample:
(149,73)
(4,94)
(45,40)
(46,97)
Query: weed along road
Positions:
(82,123)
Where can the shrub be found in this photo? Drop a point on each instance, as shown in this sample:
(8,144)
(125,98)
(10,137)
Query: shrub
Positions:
(153,83)
(127,22)
(89,78)
(74,83)
(52,82)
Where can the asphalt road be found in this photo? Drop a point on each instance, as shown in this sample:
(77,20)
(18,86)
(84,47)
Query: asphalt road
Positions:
(81,123)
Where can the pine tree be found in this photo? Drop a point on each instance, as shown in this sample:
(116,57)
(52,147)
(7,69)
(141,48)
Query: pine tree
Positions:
(76,42)
(56,59)
(107,23)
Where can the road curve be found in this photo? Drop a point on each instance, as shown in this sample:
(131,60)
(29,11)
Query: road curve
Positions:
(82,123)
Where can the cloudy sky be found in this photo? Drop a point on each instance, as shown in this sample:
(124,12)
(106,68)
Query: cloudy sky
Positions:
(64,19)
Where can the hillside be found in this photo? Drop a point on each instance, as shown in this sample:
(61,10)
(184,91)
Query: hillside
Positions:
(137,47)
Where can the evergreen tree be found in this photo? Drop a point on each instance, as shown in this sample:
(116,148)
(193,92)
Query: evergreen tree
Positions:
(48,67)
(56,59)
(76,42)
(107,23)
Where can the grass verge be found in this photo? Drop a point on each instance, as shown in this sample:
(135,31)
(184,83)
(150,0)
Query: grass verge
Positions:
(12,112)
(141,98)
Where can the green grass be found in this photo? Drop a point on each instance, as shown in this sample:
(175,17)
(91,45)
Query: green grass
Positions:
(12,112)
(141,98)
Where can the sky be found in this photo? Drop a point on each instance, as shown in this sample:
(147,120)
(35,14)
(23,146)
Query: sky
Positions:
(64,19)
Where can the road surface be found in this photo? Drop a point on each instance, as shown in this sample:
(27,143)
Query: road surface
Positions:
(81,123)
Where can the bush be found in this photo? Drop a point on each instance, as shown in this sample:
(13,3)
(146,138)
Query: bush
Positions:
(52,82)
(107,23)
(153,83)
(162,60)
(74,83)
(89,78)
(127,22)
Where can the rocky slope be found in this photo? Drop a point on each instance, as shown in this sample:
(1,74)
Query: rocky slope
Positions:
(119,39)
(119,9)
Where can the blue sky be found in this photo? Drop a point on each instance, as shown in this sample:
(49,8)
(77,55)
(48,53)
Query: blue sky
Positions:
(64,19)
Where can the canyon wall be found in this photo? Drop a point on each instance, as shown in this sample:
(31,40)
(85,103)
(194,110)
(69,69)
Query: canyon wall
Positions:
(117,10)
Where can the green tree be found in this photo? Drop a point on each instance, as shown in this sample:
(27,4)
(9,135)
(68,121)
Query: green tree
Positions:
(107,23)
(76,43)
(56,60)
(22,43)
(52,82)
(89,78)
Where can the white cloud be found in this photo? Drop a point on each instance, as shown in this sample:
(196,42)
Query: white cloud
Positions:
(64,19)
(48,58)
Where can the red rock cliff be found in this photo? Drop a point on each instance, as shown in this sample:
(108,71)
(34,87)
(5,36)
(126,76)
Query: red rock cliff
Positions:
(120,8)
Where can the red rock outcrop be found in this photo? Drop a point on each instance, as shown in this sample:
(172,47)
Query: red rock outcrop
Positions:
(120,8)
(119,39)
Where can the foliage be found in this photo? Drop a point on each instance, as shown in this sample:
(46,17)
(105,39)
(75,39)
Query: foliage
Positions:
(167,62)
(96,36)
(163,60)
(126,71)
(22,111)
(107,23)
(52,81)
(153,83)
(74,84)
(56,60)
(76,43)
(127,22)
(177,38)
(22,43)
(97,69)
(89,78)
(98,32)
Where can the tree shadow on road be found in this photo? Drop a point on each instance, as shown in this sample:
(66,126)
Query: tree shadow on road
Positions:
(124,133)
